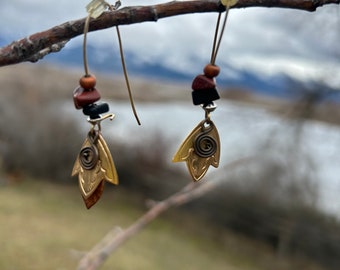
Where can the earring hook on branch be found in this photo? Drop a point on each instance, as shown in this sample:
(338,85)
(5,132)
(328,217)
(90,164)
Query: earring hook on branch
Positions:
(95,9)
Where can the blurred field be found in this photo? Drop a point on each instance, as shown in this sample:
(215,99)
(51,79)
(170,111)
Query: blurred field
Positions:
(46,226)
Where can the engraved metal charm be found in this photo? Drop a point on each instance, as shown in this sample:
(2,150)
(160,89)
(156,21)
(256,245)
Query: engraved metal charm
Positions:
(201,148)
(94,165)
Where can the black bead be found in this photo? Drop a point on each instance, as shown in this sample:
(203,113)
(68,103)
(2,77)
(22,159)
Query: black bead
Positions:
(204,96)
(94,110)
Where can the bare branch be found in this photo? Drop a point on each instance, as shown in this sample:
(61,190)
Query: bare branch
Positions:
(98,255)
(28,48)
(41,54)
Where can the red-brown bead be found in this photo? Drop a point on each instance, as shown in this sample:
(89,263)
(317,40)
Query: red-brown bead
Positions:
(202,82)
(211,71)
(88,82)
(83,97)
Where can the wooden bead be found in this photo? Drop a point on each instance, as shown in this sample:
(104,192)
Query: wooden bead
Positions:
(83,97)
(211,71)
(202,82)
(88,82)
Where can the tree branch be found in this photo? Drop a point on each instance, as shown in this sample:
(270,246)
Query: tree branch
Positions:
(114,239)
(34,47)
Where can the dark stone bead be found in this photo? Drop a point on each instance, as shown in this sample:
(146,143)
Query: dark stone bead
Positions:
(95,110)
(204,96)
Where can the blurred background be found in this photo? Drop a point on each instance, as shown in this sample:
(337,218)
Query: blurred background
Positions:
(279,105)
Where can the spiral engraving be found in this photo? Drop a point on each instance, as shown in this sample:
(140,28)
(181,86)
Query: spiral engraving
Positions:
(205,146)
(88,157)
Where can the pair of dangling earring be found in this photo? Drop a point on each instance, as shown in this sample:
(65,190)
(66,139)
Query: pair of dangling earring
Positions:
(200,150)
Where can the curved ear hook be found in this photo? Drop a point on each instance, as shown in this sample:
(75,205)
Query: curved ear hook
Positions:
(218,39)
(95,9)
(126,75)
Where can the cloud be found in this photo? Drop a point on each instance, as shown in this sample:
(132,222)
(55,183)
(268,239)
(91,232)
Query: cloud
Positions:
(267,40)
(26,17)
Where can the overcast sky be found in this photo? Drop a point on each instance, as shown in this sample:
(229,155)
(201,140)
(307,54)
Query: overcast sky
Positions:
(299,43)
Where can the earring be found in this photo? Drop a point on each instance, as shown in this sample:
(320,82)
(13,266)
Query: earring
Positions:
(201,148)
(94,164)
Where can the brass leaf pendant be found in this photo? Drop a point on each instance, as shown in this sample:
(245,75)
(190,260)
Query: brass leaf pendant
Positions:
(200,149)
(94,165)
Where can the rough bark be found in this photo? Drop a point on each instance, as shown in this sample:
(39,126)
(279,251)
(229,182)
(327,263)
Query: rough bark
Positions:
(36,46)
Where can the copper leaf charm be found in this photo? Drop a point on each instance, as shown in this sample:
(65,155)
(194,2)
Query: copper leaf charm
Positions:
(94,165)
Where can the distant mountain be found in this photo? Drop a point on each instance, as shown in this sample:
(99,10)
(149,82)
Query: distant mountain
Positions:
(279,85)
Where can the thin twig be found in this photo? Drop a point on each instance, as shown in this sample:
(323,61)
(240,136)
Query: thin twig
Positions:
(98,255)
(23,49)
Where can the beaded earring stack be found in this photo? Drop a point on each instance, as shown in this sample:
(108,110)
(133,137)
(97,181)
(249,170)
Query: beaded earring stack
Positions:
(201,149)
(94,164)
